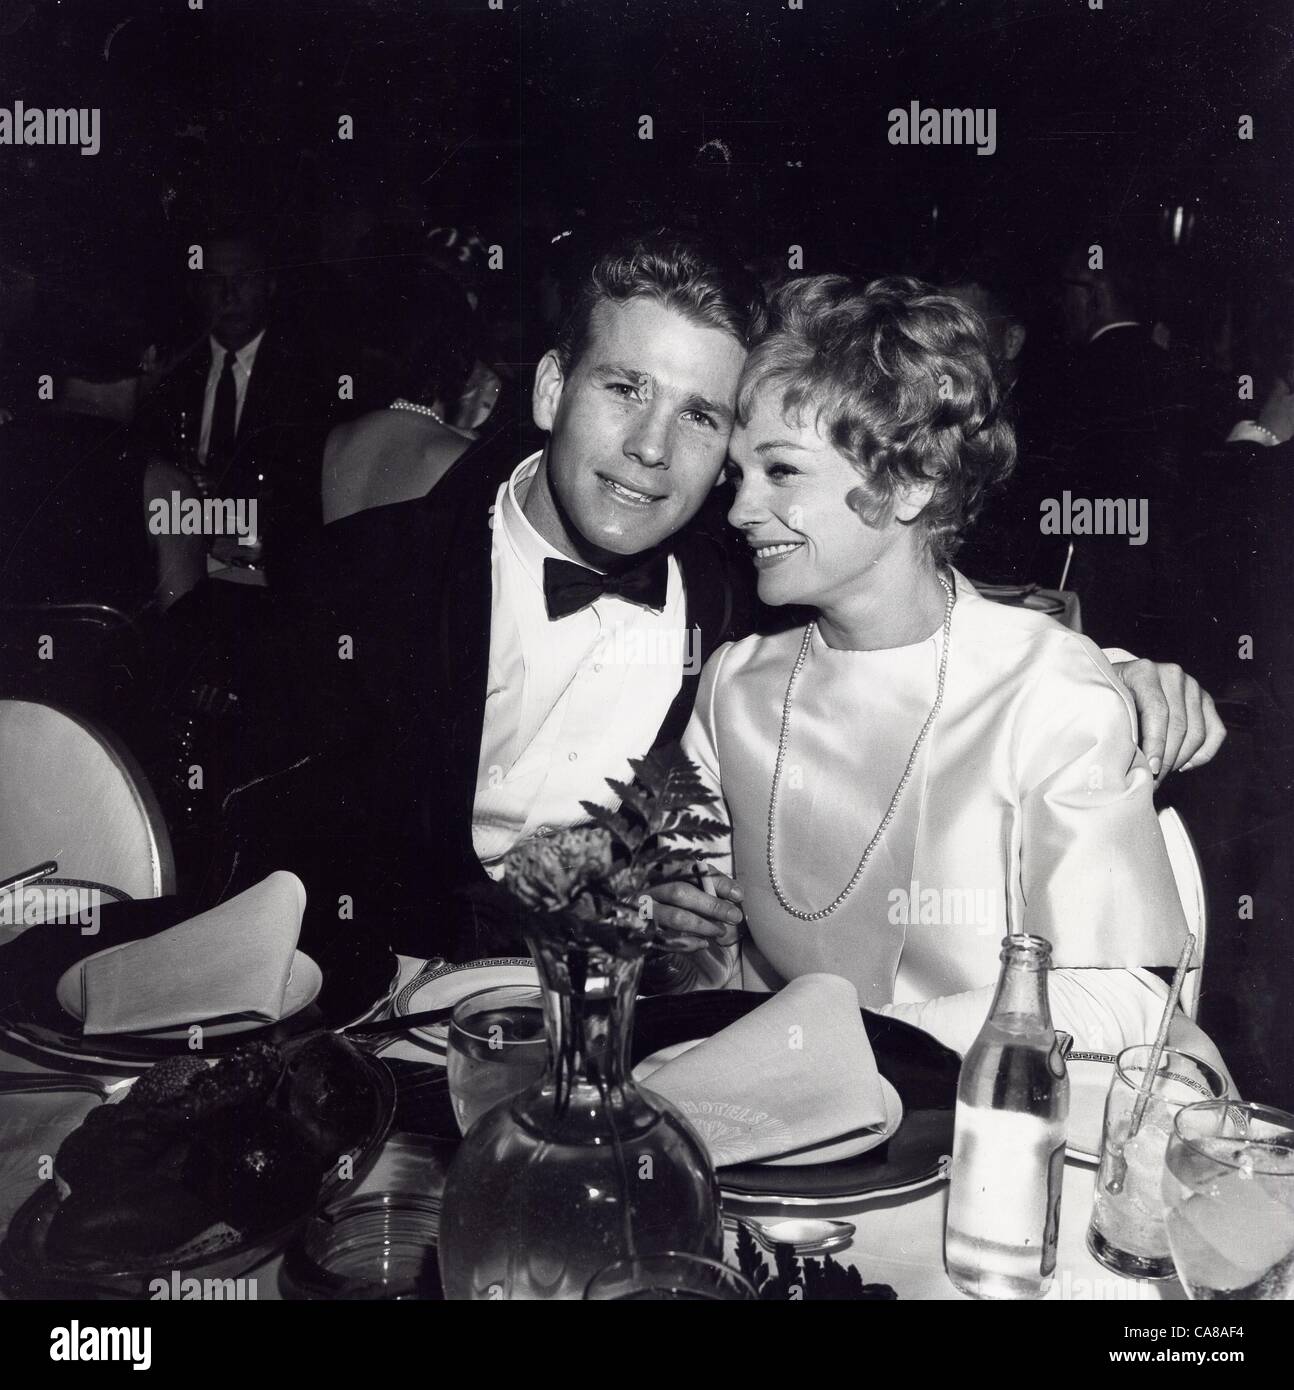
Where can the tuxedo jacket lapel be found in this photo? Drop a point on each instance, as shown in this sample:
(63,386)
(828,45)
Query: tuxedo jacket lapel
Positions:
(460,654)
(260,389)
(721,605)
(455,610)
(273,399)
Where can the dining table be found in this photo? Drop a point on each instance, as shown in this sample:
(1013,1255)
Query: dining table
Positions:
(898,1240)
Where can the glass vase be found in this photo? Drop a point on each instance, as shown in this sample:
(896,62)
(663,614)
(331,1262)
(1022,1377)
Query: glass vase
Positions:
(583,1168)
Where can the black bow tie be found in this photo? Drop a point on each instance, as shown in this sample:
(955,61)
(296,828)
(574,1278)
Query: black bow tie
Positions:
(568,587)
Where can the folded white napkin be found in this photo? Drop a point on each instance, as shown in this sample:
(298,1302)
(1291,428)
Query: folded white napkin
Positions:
(798,1071)
(234,959)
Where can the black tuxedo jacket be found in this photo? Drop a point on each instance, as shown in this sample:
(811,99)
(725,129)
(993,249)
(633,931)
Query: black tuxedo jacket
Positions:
(1125,381)
(374,753)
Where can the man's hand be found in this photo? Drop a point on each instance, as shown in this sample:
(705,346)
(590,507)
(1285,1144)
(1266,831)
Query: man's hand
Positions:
(1179,727)
(696,919)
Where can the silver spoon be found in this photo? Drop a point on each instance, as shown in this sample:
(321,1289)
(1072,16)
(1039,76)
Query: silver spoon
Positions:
(804,1234)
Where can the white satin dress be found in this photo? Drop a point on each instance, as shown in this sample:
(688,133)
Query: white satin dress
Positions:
(1029,809)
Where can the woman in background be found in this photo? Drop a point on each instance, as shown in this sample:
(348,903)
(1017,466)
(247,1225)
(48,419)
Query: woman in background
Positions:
(402,450)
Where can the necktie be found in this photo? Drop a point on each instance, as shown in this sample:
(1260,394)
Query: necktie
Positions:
(568,587)
(224,415)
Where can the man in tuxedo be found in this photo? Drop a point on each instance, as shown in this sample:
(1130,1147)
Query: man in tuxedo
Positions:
(247,403)
(480,660)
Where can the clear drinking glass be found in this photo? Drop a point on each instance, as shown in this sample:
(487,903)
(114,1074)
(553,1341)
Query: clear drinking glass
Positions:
(378,1246)
(670,1278)
(1228,1192)
(1127,1232)
(498,1045)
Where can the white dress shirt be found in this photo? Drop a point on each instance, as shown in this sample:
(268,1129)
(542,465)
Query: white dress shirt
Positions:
(568,702)
(244,361)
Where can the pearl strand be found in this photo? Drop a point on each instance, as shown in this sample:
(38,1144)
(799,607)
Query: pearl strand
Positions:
(784,737)
(401,404)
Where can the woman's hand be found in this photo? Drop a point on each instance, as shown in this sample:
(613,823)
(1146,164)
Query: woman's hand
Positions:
(695,918)
(1179,727)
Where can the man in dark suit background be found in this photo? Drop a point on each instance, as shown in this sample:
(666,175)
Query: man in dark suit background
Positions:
(247,403)
(1121,429)
(478,661)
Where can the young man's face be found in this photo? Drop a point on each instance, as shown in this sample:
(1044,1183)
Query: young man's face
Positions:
(638,431)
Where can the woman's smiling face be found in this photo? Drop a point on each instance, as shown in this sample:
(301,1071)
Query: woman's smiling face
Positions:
(801,505)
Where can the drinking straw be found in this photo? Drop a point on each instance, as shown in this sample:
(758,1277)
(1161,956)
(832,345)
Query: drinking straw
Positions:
(18,881)
(1064,574)
(1152,1068)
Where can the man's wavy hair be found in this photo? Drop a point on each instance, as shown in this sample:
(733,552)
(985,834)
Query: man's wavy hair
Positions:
(681,272)
(900,379)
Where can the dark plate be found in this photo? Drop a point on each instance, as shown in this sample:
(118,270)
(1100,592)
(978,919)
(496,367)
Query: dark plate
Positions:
(358,971)
(28,1272)
(924,1073)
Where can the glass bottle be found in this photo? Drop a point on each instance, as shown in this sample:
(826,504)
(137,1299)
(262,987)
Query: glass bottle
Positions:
(583,1168)
(1009,1145)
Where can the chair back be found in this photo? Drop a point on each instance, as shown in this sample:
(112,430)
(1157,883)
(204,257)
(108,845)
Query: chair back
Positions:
(73,794)
(1185,861)
(83,655)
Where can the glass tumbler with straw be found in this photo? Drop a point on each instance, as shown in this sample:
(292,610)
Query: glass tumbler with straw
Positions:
(1126,1233)
(1150,1085)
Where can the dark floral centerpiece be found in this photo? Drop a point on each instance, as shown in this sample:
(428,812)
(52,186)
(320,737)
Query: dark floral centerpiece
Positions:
(584,1168)
(592,883)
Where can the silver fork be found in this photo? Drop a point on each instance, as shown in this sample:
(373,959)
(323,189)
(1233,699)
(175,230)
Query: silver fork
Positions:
(14,1082)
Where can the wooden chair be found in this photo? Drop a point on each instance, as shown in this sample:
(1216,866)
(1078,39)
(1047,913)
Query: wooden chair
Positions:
(1185,861)
(74,795)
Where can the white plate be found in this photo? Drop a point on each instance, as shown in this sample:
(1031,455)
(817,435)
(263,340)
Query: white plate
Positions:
(305,980)
(774,1204)
(444,988)
(848,1147)
(1090,1074)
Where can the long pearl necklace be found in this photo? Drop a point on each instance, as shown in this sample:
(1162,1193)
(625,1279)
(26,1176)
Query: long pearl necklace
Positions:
(783,738)
(401,404)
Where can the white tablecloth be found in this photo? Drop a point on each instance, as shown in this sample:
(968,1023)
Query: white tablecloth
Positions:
(899,1240)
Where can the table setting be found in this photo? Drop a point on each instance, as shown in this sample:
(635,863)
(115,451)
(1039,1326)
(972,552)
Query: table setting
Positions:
(893,1235)
(186,1103)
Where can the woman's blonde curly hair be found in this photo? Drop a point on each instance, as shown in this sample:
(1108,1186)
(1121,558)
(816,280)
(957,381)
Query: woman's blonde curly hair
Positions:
(900,379)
